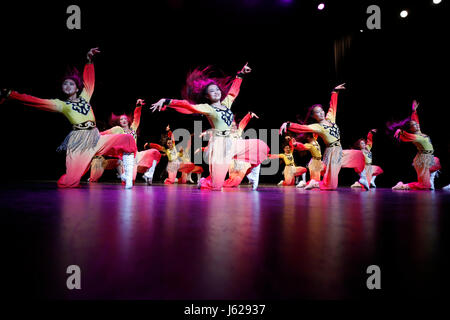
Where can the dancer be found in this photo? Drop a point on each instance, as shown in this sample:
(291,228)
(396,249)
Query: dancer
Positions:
(84,141)
(203,89)
(425,163)
(370,171)
(239,169)
(315,165)
(145,161)
(334,157)
(174,158)
(290,170)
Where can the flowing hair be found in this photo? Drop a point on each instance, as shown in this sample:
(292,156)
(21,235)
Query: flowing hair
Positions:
(198,81)
(404,124)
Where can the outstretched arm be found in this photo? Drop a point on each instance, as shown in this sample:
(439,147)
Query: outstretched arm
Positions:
(244,122)
(137,114)
(53,105)
(235,87)
(415,116)
(369,142)
(89,75)
(405,136)
(300,128)
(331,114)
(182,106)
(154,146)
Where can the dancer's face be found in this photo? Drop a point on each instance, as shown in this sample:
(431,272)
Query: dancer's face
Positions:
(287,149)
(318,114)
(362,144)
(169,144)
(213,93)
(123,120)
(69,87)
(414,127)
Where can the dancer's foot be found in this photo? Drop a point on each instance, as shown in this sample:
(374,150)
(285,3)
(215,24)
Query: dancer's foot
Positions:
(356,185)
(312,184)
(280,183)
(400,186)
(363,181)
(301,184)
(199,183)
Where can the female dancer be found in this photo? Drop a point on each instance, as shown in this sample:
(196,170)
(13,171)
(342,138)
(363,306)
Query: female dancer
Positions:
(145,161)
(174,158)
(222,147)
(315,165)
(334,157)
(290,170)
(370,171)
(84,141)
(238,169)
(425,163)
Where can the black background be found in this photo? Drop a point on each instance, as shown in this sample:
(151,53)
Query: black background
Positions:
(148,47)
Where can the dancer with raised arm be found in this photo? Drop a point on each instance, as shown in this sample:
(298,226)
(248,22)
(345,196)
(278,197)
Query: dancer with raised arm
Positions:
(334,157)
(145,161)
(84,141)
(425,163)
(204,95)
(315,165)
(370,171)
(290,170)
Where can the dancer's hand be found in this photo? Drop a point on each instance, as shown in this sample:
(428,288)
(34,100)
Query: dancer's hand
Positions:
(197,150)
(158,105)
(373,130)
(283,128)
(140,103)
(146,145)
(415,105)
(253,115)
(397,133)
(168,127)
(181,150)
(91,53)
(246,69)
(340,87)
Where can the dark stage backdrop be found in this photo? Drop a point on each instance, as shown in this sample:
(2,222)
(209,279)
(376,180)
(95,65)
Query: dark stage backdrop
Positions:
(148,47)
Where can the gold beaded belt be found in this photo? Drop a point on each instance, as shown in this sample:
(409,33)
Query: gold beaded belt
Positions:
(337,143)
(87,125)
(426,151)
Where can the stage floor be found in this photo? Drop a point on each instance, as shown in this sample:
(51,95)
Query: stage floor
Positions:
(178,242)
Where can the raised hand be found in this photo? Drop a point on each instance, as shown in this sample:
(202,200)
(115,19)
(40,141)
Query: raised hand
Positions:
(415,105)
(340,87)
(397,133)
(158,105)
(253,115)
(140,103)
(91,53)
(246,69)
(283,128)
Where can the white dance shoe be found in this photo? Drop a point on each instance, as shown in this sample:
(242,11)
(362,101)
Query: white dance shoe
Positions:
(312,184)
(301,184)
